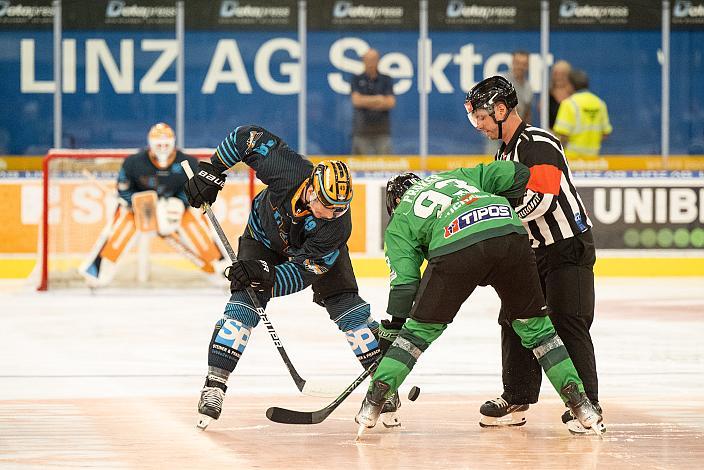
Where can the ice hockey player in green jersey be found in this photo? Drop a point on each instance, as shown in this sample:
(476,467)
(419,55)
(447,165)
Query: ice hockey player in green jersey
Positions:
(463,223)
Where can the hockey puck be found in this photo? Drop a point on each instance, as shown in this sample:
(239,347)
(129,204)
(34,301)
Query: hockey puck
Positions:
(413,393)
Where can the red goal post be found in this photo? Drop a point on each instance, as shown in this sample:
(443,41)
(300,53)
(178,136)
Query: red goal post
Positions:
(66,172)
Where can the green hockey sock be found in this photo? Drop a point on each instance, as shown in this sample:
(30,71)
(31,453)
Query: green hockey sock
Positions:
(539,335)
(415,337)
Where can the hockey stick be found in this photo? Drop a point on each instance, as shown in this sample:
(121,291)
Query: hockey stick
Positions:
(301,383)
(285,416)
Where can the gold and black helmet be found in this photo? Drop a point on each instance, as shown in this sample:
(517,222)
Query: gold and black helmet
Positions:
(331,181)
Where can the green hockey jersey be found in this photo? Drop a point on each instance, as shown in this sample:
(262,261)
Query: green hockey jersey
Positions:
(447,212)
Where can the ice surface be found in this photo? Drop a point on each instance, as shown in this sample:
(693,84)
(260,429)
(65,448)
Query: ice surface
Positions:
(74,343)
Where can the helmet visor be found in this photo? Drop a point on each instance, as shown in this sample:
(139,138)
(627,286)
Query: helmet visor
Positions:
(470,114)
(338,210)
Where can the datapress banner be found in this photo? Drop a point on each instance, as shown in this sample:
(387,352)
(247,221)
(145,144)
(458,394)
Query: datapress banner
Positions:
(483,14)
(108,15)
(645,213)
(29,14)
(236,15)
(687,14)
(346,15)
(605,14)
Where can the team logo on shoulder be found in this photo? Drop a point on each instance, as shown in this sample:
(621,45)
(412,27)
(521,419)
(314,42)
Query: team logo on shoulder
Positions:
(253,137)
(480,214)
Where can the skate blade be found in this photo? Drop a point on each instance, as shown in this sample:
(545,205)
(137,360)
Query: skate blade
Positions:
(203,422)
(390,420)
(360,431)
(517,418)
(576,428)
(599,429)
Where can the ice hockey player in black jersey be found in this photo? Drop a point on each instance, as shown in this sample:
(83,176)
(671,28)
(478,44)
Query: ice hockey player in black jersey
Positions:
(296,237)
(151,201)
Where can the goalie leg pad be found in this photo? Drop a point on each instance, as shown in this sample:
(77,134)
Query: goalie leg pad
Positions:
(115,240)
(197,233)
(227,344)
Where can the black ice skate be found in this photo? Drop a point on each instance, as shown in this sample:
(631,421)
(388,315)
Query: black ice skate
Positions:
(587,415)
(372,406)
(499,412)
(210,403)
(389,412)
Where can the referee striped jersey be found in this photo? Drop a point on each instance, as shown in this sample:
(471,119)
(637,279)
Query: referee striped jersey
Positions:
(552,210)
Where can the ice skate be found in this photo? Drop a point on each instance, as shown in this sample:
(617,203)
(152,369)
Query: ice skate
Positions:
(573,424)
(389,412)
(371,407)
(210,403)
(587,415)
(498,412)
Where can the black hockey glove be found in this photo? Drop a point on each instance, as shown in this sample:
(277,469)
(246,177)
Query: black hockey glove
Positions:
(204,186)
(388,332)
(254,273)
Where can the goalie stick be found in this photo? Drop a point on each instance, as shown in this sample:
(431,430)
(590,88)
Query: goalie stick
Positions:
(286,416)
(302,384)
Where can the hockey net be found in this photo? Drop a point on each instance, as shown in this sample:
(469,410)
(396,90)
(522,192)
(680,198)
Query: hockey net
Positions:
(80,198)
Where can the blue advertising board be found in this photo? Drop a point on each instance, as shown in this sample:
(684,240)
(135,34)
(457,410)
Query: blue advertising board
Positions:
(119,82)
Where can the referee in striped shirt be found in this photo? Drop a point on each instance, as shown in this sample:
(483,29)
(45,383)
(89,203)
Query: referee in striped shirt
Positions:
(560,233)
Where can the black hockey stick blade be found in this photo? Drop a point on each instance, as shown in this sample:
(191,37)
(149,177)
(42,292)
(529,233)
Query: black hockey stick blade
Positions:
(286,416)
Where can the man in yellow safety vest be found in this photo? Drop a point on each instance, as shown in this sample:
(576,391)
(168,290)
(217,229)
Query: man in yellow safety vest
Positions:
(582,120)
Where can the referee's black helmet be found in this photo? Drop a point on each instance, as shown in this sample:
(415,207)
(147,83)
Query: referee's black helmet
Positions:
(490,91)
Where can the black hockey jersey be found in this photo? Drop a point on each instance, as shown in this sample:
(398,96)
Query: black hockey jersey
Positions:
(138,173)
(278,219)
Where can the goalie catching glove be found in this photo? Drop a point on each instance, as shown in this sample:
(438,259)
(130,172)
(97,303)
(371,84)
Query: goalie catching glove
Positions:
(254,273)
(204,186)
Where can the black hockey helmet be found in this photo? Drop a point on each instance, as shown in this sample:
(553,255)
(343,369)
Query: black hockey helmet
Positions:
(491,90)
(486,93)
(395,188)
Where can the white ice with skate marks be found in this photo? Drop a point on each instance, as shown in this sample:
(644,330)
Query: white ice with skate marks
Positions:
(71,344)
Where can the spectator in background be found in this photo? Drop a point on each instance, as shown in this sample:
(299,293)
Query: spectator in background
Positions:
(560,88)
(372,98)
(582,120)
(518,76)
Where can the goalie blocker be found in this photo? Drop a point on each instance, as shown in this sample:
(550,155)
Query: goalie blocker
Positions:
(185,230)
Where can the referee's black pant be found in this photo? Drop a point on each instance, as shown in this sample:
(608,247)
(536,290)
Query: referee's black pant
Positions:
(566,271)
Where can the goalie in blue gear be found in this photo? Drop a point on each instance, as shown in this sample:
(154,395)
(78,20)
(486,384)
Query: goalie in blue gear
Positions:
(151,201)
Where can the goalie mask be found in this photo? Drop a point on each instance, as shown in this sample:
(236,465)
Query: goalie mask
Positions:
(162,145)
(396,187)
(332,185)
